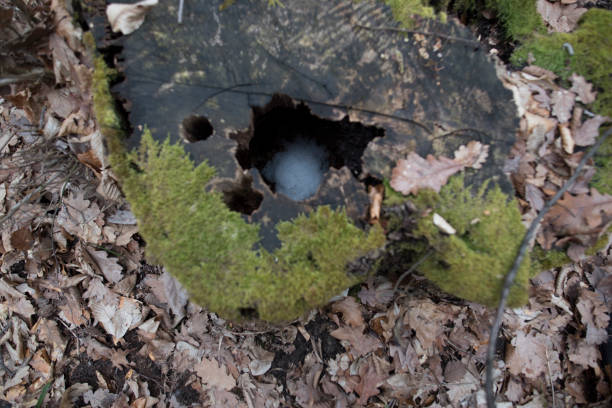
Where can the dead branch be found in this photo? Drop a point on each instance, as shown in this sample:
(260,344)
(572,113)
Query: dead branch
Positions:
(509,280)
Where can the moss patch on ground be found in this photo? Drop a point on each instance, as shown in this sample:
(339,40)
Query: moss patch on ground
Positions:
(592,45)
(472,263)
(211,249)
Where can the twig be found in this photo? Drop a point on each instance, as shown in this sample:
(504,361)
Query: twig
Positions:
(509,280)
(13,79)
(406,31)
(552,385)
(27,198)
(180,12)
(412,268)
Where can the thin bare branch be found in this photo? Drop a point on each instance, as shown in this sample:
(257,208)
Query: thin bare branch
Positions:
(509,280)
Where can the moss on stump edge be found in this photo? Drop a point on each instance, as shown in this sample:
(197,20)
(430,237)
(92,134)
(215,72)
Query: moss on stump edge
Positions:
(210,249)
(472,263)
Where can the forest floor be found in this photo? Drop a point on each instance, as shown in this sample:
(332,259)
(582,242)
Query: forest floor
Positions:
(85,321)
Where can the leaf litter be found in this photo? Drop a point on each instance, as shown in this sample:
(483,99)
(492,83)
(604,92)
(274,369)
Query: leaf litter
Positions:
(82,311)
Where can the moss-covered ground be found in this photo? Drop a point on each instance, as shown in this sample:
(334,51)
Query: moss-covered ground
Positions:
(471,263)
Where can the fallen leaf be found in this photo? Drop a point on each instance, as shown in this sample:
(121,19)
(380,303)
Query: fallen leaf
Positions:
(351,311)
(378,295)
(473,155)
(415,173)
(587,133)
(102,263)
(78,217)
(582,218)
(214,375)
(117,317)
(567,141)
(560,18)
(127,18)
(563,102)
(169,291)
(531,356)
(594,315)
(369,381)
(583,89)
(360,343)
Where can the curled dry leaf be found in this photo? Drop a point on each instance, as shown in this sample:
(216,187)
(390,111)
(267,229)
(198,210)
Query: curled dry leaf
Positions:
(567,141)
(127,18)
(473,155)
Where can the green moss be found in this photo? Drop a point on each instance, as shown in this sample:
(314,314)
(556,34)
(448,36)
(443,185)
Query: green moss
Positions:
(543,260)
(104,107)
(472,263)
(519,18)
(210,249)
(592,44)
(404,11)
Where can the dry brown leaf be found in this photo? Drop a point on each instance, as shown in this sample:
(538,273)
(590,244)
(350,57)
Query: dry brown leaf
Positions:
(72,312)
(117,317)
(583,218)
(214,375)
(79,217)
(560,18)
(594,315)
(415,173)
(127,18)
(360,344)
(102,263)
(427,320)
(351,312)
(473,155)
(563,102)
(531,356)
(583,89)
(369,380)
(567,141)
(376,295)
(169,291)
(589,130)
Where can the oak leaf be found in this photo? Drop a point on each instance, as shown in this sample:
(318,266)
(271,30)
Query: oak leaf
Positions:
(214,375)
(351,311)
(582,88)
(473,155)
(415,173)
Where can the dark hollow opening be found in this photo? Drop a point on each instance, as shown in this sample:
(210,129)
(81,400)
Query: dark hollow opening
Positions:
(242,197)
(282,126)
(195,128)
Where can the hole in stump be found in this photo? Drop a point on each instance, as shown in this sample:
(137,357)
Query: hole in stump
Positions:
(242,197)
(292,148)
(195,128)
